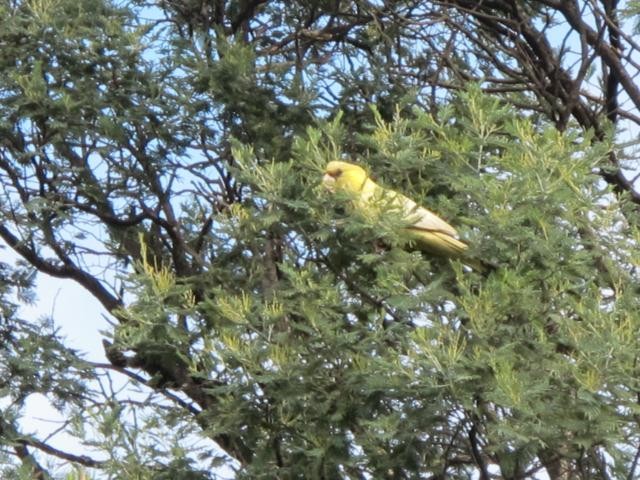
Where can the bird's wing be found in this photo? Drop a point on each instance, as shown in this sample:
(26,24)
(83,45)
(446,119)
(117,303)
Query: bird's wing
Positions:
(421,218)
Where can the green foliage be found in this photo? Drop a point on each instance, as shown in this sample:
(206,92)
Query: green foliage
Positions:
(356,359)
(373,361)
(171,165)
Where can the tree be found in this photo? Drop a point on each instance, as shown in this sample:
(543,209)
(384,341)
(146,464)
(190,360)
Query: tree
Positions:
(167,158)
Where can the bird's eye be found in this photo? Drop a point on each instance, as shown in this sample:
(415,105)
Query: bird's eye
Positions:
(337,173)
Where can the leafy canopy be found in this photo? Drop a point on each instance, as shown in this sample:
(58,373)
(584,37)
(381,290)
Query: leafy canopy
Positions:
(167,158)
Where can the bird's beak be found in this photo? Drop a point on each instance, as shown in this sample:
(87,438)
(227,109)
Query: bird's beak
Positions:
(329,182)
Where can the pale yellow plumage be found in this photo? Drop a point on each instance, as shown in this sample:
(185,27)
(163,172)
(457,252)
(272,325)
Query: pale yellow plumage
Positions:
(428,232)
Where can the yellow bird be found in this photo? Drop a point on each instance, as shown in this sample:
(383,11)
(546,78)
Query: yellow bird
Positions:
(428,232)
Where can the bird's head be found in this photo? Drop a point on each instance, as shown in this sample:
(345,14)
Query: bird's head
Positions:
(344,176)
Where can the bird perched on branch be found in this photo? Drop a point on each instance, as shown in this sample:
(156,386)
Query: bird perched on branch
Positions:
(427,232)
